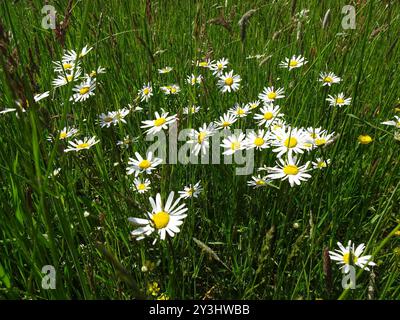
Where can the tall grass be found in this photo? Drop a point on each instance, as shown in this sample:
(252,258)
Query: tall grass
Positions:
(270,241)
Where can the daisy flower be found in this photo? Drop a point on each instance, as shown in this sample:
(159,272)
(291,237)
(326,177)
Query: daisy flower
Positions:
(84,90)
(328,78)
(323,138)
(257,140)
(270,94)
(161,122)
(79,145)
(320,163)
(120,114)
(293,62)
(146,92)
(64,134)
(164,70)
(219,66)
(126,141)
(191,191)
(141,186)
(258,181)
(171,89)
(226,121)
(65,66)
(289,170)
(200,138)
(193,79)
(239,111)
(233,143)
(253,105)
(64,79)
(162,219)
(346,256)
(140,165)
(395,122)
(191,110)
(269,113)
(338,100)
(290,140)
(229,82)
(106,120)
(314,133)
(365,139)
(277,125)
(96,72)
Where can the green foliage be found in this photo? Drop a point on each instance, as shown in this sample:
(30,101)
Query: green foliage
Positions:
(252,243)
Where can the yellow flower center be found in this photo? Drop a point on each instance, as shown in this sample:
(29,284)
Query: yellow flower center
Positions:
(63,135)
(190,192)
(82,145)
(146,91)
(84,90)
(271,95)
(346,258)
(328,79)
(67,66)
(291,169)
(293,63)
(93,73)
(219,66)
(226,124)
(240,112)
(69,78)
(144,164)
(160,219)
(268,115)
(108,119)
(321,164)
(365,139)
(339,100)
(229,81)
(173,90)
(260,182)
(320,141)
(290,142)
(203,64)
(235,145)
(201,137)
(141,186)
(253,106)
(258,141)
(159,122)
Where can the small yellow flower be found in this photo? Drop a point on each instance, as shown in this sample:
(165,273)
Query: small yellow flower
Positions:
(163,296)
(153,289)
(364,139)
